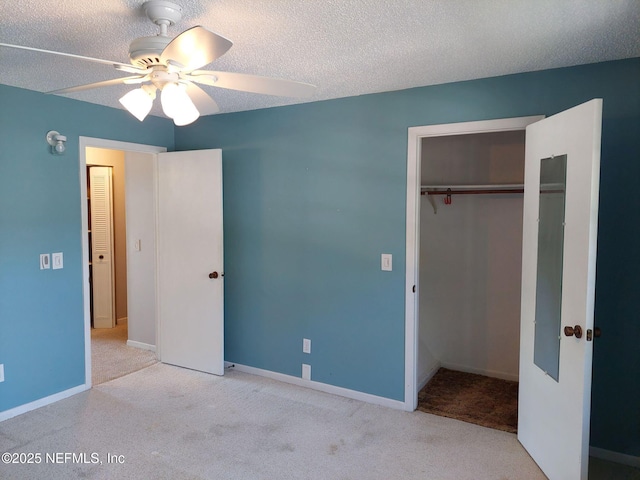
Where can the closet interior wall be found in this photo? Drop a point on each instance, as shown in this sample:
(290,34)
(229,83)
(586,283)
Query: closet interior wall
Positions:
(470,257)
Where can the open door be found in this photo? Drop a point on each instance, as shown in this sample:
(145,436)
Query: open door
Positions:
(562,169)
(190,260)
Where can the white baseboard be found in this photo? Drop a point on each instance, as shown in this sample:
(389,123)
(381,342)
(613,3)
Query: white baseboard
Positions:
(479,371)
(143,346)
(429,375)
(322,387)
(615,457)
(27,407)
(122,321)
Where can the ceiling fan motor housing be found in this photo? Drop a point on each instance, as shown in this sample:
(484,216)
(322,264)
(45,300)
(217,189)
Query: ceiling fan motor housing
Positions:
(145,51)
(162,12)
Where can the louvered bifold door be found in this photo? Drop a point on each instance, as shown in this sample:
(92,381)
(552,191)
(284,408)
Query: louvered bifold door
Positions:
(102,285)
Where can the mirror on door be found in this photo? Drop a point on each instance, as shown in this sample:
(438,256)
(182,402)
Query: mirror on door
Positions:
(553,174)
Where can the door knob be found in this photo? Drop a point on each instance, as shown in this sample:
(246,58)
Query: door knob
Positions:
(573,331)
(213,275)
(595,333)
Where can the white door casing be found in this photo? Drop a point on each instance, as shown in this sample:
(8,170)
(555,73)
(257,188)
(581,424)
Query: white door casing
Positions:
(190,248)
(553,418)
(102,260)
(412,287)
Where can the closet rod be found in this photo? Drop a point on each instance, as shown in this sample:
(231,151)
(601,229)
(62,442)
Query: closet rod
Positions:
(467,186)
(449,190)
(471,189)
(472,192)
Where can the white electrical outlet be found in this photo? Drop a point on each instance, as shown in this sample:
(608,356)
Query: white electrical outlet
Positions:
(1,372)
(57,260)
(45,264)
(306,345)
(306,371)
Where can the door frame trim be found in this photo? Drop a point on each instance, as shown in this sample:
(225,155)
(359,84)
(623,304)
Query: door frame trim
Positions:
(414,153)
(83,143)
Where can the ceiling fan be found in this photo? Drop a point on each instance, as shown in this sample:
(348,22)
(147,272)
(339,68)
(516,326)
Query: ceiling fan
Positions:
(171,66)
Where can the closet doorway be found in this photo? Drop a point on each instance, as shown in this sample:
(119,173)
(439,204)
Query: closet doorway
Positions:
(464,251)
(560,212)
(470,275)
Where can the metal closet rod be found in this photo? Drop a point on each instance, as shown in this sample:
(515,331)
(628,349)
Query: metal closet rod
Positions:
(431,190)
(470,189)
(471,192)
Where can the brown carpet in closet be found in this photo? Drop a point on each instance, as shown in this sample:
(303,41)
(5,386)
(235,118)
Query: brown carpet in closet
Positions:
(472,398)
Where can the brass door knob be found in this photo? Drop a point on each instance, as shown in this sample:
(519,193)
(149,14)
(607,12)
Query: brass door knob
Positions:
(213,275)
(573,331)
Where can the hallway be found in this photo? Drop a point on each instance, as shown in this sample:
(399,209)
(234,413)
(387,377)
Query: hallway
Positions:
(111,357)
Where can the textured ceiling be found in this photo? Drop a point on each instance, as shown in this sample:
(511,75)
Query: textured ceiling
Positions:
(344,47)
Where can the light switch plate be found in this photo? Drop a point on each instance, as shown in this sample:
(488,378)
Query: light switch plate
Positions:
(306,345)
(1,372)
(57,260)
(45,263)
(386,262)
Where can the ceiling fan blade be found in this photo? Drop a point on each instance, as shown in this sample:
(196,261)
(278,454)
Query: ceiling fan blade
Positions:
(253,83)
(201,99)
(122,66)
(194,48)
(135,79)
(131,69)
(105,83)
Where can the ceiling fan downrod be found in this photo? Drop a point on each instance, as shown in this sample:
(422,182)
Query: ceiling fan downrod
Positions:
(163,13)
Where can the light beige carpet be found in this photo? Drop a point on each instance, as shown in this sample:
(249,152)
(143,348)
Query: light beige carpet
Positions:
(111,357)
(177,424)
(169,423)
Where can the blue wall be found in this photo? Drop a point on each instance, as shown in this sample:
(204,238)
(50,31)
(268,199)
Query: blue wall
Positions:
(41,311)
(314,193)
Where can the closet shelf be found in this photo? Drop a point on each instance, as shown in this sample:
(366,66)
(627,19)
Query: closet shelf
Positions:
(448,190)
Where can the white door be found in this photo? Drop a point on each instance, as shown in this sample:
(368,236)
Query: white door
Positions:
(101,234)
(190,260)
(558,280)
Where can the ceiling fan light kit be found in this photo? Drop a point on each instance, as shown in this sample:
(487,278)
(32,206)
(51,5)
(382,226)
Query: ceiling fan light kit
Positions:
(139,101)
(177,105)
(171,66)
